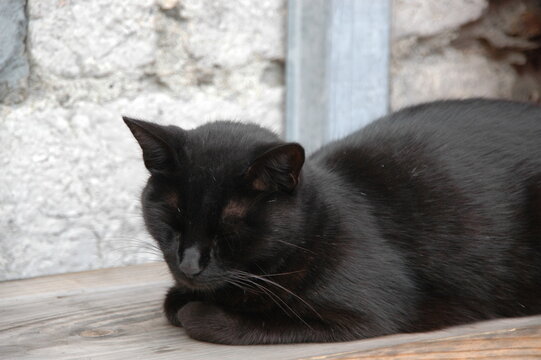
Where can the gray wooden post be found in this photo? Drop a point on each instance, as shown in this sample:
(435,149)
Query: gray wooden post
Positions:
(337,67)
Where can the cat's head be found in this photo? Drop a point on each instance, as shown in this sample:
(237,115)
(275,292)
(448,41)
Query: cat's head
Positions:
(221,198)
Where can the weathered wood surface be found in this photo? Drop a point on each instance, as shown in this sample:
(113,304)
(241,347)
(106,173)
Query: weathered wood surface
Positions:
(116,314)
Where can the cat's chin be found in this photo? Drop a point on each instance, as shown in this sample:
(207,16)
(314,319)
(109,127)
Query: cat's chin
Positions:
(200,284)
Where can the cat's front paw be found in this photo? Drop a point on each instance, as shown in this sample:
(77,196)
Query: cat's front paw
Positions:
(206,322)
(174,301)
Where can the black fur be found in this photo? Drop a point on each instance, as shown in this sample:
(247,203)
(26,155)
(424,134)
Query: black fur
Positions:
(426,218)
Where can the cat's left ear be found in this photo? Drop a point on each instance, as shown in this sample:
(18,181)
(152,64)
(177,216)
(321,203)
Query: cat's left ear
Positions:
(277,169)
(158,155)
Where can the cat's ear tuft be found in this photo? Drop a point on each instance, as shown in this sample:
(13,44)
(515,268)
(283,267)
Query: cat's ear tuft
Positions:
(158,155)
(277,169)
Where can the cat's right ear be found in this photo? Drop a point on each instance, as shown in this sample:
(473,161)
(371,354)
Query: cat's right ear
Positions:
(158,155)
(277,169)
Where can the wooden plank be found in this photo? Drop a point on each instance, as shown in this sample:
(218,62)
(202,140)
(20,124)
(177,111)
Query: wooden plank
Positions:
(116,314)
(512,343)
(95,279)
(337,68)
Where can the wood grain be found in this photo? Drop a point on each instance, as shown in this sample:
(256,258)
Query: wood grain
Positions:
(112,277)
(116,314)
(505,344)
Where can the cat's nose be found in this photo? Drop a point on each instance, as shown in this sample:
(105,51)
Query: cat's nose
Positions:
(190,264)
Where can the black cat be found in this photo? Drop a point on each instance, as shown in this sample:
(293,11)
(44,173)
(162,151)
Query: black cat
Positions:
(426,218)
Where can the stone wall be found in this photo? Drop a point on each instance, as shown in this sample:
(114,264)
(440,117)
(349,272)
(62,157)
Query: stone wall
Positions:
(13,62)
(465,48)
(71,171)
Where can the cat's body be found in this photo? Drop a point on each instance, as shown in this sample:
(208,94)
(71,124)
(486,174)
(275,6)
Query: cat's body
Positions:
(427,218)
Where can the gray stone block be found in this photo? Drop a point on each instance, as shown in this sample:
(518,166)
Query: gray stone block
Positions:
(464,48)
(71,171)
(71,179)
(13,62)
(449,74)
(430,17)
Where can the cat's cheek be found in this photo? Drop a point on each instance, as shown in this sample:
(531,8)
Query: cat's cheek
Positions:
(206,322)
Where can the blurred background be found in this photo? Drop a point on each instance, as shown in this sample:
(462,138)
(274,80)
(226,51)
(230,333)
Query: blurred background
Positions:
(70,171)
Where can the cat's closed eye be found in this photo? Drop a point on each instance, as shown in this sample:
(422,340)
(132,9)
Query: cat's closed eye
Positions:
(172,200)
(176,237)
(235,209)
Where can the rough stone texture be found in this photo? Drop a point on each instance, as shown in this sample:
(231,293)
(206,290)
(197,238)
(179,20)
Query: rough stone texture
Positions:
(13,61)
(71,171)
(92,50)
(466,48)
(450,74)
(224,57)
(430,17)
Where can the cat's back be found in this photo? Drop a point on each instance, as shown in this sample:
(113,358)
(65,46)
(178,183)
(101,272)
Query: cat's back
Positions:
(462,135)
(457,186)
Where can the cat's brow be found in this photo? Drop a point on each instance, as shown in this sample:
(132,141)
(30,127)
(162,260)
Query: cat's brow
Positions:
(235,208)
(172,199)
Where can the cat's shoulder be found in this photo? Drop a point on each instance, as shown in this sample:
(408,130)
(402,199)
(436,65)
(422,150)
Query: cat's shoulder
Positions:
(464,111)
(443,121)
